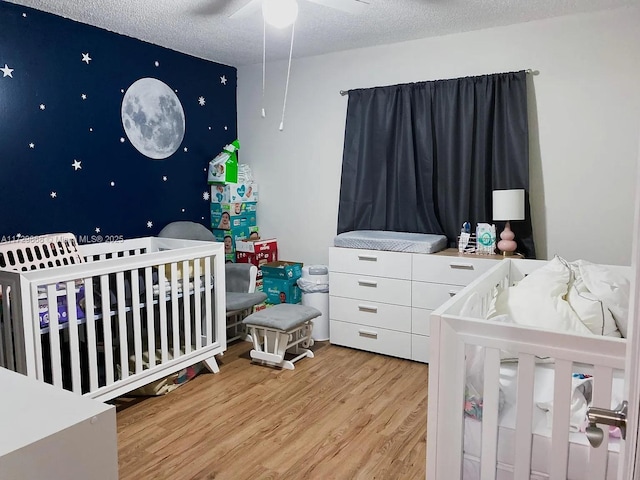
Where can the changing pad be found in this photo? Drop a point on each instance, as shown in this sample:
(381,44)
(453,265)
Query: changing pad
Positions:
(393,241)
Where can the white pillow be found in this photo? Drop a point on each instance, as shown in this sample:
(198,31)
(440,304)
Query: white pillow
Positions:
(609,286)
(539,300)
(590,309)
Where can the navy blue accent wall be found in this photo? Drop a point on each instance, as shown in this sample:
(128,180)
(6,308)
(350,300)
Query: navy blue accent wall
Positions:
(67,162)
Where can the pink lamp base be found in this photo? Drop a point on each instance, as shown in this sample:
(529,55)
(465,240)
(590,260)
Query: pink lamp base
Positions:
(506,244)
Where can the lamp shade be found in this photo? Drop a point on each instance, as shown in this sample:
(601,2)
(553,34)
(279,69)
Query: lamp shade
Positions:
(508,204)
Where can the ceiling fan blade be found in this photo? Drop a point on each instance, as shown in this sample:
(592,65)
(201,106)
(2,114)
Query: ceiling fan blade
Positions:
(249,9)
(208,8)
(349,6)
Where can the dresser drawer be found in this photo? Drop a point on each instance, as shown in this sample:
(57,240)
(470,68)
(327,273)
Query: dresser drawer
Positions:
(378,340)
(421,321)
(373,314)
(432,295)
(370,262)
(420,348)
(453,270)
(373,289)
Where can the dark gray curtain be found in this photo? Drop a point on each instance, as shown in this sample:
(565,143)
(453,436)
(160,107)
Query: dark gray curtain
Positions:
(425,157)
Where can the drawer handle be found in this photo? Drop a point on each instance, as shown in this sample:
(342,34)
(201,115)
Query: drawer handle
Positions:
(368,308)
(462,266)
(368,258)
(453,292)
(367,283)
(368,334)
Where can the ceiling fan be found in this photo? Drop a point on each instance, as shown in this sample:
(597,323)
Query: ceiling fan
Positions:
(283,13)
(348,6)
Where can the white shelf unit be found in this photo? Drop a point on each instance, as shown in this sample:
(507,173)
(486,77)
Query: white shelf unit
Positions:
(381,301)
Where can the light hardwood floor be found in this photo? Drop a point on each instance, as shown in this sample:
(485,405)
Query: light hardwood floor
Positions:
(345,414)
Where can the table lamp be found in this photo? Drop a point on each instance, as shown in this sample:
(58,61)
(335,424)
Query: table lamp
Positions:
(508,205)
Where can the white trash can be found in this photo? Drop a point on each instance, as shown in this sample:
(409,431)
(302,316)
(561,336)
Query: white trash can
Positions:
(314,284)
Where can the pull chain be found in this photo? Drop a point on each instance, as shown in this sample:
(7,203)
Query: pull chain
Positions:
(286,89)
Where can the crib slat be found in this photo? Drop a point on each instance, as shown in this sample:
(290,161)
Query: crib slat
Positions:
(74,341)
(186,306)
(151,329)
(489,453)
(197,298)
(602,378)
(54,336)
(89,312)
(451,401)
(208,314)
(105,303)
(137,326)
(36,333)
(175,312)
(162,308)
(560,423)
(524,413)
(4,336)
(122,325)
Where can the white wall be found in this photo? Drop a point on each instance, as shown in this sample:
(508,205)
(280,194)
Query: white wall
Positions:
(584,128)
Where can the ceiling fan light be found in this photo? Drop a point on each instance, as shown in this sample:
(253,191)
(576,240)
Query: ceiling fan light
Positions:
(280,13)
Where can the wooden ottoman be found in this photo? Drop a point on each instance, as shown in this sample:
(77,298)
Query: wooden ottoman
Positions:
(281,329)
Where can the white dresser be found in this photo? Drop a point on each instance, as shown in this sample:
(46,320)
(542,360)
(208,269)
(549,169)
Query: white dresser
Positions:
(381,301)
(50,433)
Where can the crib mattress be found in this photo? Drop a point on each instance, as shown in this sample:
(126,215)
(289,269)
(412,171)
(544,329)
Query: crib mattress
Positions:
(392,241)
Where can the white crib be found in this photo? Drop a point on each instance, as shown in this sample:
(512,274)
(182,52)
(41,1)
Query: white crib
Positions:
(128,312)
(520,450)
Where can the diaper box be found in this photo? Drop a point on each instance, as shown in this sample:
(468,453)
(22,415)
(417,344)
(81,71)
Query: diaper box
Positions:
(283,270)
(234,209)
(280,290)
(61,308)
(224,167)
(234,192)
(225,221)
(257,252)
(230,236)
(258,246)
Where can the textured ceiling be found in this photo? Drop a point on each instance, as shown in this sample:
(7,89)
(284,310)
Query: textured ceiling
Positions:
(203,28)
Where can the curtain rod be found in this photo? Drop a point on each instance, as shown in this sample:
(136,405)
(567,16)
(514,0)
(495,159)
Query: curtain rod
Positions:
(528,70)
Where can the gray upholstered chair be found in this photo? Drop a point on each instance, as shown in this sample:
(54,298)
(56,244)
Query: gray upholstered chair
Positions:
(241,297)
(240,278)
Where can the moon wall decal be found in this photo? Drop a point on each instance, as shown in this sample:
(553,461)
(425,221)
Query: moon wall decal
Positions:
(153,118)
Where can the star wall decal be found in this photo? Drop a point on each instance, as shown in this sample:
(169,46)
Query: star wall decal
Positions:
(206,196)
(164,178)
(223,80)
(186,149)
(53,194)
(32,145)
(149,224)
(84,96)
(97,229)
(201,101)
(77,165)
(42,106)
(86,58)
(156,63)
(6,71)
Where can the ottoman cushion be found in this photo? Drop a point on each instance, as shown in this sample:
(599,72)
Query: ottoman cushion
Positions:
(284,316)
